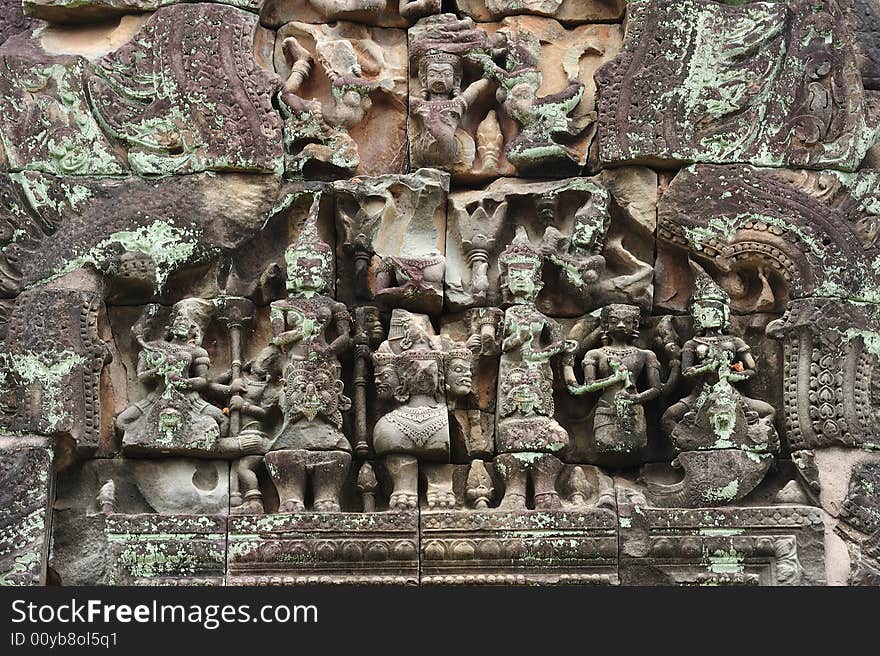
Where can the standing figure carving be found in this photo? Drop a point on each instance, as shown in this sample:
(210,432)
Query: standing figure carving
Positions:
(626,377)
(312,330)
(527,435)
(409,375)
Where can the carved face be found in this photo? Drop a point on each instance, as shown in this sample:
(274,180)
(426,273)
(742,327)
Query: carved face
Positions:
(621,321)
(521,281)
(184,330)
(527,393)
(307,274)
(440,77)
(313,393)
(546,205)
(459,378)
(387,380)
(710,316)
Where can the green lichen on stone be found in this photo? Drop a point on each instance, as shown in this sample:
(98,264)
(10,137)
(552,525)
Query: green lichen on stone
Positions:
(722,494)
(870,338)
(22,564)
(46,370)
(725,561)
(166,245)
(63,137)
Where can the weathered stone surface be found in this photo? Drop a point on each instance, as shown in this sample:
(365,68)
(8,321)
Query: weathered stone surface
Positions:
(831,371)
(844,480)
(12,19)
(182,102)
(541,74)
(165,549)
(163,225)
(93,11)
(770,235)
(348,115)
(519,548)
(51,366)
(27,476)
(864,21)
(92,546)
(567,11)
(353,548)
(141,486)
(727,546)
(46,123)
(384,13)
(596,240)
(772,84)
(310,291)
(392,239)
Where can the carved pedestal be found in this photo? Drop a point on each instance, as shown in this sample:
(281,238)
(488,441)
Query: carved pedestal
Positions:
(780,545)
(528,547)
(310,547)
(166,549)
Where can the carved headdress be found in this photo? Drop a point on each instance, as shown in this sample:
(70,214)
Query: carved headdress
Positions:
(707,294)
(309,247)
(197,311)
(436,56)
(522,256)
(706,290)
(520,253)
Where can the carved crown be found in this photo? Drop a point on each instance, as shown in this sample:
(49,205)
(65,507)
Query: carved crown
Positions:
(308,242)
(705,289)
(520,253)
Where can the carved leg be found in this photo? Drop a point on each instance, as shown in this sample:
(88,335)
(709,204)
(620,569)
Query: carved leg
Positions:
(404,471)
(287,469)
(673,415)
(514,472)
(234,489)
(439,493)
(248,486)
(545,470)
(328,476)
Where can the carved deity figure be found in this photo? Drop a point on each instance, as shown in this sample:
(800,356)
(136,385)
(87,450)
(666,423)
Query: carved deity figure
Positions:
(438,115)
(527,435)
(323,129)
(617,370)
(716,360)
(175,417)
(544,122)
(724,439)
(255,397)
(409,371)
(311,330)
(579,256)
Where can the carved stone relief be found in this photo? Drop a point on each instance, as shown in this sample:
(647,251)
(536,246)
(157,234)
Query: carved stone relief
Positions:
(355,291)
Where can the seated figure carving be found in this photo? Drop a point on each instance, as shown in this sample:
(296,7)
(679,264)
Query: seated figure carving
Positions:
(174,417)
(724,438)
